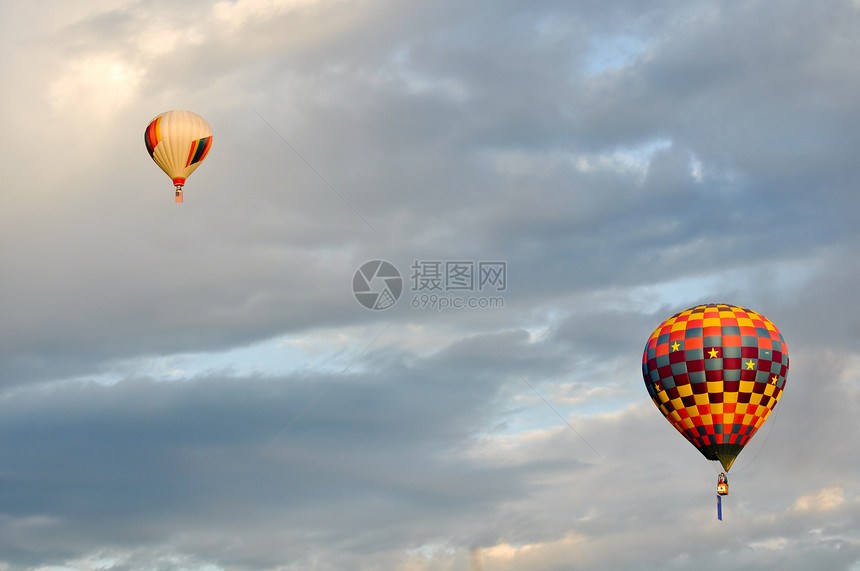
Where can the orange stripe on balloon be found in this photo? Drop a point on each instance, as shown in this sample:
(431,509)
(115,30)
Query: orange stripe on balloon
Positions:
(152,136)
(191,152)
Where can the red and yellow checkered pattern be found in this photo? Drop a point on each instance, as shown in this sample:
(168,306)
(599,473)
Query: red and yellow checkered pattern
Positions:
(715,372)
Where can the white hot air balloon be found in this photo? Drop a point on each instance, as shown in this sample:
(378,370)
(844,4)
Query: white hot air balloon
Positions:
(178,141)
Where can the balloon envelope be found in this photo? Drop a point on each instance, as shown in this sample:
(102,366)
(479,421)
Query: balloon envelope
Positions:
(716,372)
(178,141)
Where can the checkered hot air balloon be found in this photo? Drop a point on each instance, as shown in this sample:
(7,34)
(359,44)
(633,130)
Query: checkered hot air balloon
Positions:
(178,141)
(716,372)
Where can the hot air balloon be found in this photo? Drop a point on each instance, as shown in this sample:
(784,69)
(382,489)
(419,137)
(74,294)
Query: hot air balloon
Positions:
(716,372)
(178,141)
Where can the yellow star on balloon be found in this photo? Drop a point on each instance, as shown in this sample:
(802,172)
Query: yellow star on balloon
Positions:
(658,386)
(675,346)
(713,353)
(774,379)
(750,365)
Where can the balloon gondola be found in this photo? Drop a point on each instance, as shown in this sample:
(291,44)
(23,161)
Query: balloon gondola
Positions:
(178,141)
(723,484)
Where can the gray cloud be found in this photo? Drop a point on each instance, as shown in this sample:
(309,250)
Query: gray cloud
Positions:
(625,161)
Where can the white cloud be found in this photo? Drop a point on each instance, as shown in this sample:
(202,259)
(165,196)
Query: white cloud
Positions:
(505,556)
(827,499)
(163,38)
(772,544)
(240,13)
(95,87)
(636,159)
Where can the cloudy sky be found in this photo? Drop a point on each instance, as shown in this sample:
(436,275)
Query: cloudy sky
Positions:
(195,386)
